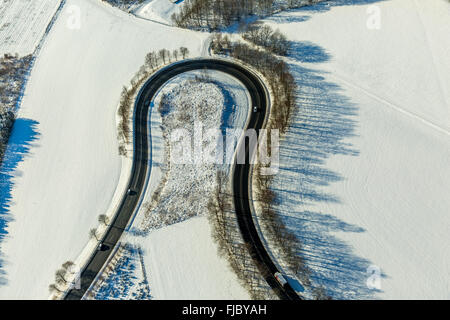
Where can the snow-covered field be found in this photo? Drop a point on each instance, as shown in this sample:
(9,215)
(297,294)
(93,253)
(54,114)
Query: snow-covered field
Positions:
(187,266)
(158,10)
(22,24)
(64,166)
(365,174)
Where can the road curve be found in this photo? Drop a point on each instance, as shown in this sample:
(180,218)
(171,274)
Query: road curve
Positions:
(241,174)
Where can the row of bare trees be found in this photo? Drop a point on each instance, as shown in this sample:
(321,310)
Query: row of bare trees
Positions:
(279,234)
(217,14)
(264,36)
(153,61)
(13,72)
(230,245)
(275,228)
(274,69)
(283,88)
(63,278)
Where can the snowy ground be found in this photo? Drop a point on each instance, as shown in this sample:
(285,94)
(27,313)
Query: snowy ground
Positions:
(64,166)
(158,10)
(22,24)
(183,195)
(187,266)
(365,172)
(180,262)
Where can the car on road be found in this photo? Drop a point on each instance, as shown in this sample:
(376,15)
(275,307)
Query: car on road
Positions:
(280,278)
(255,109)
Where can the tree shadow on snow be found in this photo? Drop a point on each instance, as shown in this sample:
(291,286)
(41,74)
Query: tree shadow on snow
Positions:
(322,125)
(286,17)
(306,51)
(327,5)
(22,138)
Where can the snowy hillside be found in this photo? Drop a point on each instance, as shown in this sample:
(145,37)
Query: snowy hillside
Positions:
(64,163)
(365,173)
(158,10)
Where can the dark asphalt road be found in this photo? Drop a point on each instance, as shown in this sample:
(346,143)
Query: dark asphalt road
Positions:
(140,167)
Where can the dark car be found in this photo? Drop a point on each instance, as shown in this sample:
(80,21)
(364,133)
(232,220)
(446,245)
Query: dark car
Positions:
(102,247)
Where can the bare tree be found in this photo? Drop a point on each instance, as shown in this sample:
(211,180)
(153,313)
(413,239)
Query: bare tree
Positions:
(60,276)
(163,54)
(93,234)
(103,218)
(53,287)
(184,52)
(68,265)
(151,60)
